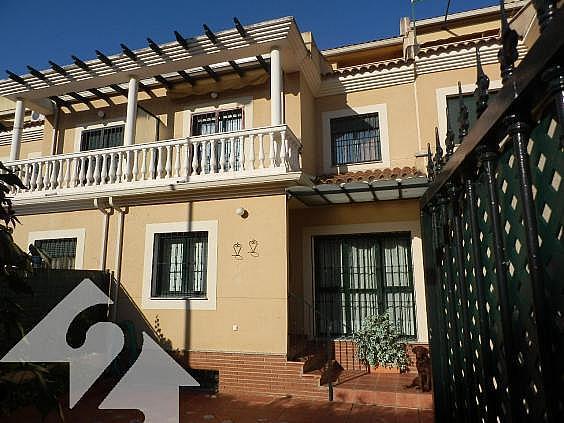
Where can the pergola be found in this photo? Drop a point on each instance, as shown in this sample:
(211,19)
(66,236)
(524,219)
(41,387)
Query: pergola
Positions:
(274,46)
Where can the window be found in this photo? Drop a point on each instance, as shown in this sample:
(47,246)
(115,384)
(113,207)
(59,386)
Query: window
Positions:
(106,137)
(217,122)
(180,263)
(453,107)
(355,139)
(60,253)
(361,275)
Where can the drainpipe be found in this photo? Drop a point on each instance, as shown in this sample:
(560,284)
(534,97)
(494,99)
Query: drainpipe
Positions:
(107,213)
(119,248)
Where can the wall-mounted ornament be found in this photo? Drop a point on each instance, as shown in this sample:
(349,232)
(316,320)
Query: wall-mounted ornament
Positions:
(253,245)
(237,251)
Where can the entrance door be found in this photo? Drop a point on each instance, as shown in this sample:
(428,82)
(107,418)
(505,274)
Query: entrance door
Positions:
(361,275)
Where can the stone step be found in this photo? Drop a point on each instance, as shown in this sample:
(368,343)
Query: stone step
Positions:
(384,389)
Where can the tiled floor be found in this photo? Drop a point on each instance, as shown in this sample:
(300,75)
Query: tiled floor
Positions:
(226,408)
(388,389)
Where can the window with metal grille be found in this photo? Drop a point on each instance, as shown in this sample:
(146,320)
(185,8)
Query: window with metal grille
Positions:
(217,122)
(60,252)
(105,137)
(355,139)
(180,261)
(453,111)
(361,275)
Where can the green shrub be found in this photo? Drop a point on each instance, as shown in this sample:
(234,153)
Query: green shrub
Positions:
(379,343)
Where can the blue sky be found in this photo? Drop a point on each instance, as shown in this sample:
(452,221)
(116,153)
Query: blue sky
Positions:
(34,31)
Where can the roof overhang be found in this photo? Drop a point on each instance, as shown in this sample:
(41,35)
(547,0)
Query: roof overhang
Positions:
(219,52)
(360,192)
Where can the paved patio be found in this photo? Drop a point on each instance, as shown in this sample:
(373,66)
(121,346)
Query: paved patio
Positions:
(228,408)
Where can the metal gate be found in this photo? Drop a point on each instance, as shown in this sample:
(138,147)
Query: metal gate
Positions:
(493,233)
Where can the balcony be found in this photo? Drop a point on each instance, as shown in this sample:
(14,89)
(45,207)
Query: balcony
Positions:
(151,167)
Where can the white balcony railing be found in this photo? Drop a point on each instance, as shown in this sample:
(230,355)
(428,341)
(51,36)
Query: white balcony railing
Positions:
(229,155)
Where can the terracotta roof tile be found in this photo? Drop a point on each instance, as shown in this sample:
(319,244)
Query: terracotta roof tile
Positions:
(371,175)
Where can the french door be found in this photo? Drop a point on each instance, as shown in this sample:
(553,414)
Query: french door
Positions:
(361,275)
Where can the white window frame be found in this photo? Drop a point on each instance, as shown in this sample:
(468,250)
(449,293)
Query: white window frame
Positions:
(441,95)
(106,124)
(208,303)
(78,233)
(326,117)
(245,103)
(376,228)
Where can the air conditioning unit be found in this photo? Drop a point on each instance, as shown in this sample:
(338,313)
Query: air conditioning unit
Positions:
(36,116)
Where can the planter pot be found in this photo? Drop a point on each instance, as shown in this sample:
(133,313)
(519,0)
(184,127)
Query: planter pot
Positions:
(383,370)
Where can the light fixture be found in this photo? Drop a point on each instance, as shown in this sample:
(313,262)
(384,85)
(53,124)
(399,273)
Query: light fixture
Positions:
(101,114)
(240,211)
(214,95)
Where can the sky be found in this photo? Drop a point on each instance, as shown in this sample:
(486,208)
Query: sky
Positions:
(33,32)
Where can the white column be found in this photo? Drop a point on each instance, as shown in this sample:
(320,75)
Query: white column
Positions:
(275,87)
(131,118)
(17,131)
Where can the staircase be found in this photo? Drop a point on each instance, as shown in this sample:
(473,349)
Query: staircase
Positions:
(353,383)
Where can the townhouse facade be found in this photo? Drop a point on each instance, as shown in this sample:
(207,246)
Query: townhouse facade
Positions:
(248,191)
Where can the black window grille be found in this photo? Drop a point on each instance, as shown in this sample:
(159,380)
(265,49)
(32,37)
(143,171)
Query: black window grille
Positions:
(361,275)
(217,122)
(180,263)
(60,252)
(106,137)
(453,109)
(355,139)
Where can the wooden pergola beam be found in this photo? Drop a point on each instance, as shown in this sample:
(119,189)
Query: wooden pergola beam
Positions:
(103,58)
(128,52)
(79,98)
(101,95)
(181,40)
(60,102)
(155,47)
(186,77)
(80,63)
(15,77)
(240,29)
(263,63)
(211,36)
(38,74)
(119,89)
(237,68)
(163,81)
(213,74)
(59,69)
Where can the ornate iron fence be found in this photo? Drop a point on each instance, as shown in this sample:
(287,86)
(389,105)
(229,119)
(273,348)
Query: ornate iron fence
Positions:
(493,232)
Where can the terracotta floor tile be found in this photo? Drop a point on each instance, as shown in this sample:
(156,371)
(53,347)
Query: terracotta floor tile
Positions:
(252,409)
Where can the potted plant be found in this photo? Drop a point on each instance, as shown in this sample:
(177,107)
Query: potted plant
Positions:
(380,345)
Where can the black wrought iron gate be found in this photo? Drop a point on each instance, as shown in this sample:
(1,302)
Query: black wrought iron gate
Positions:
(493,233)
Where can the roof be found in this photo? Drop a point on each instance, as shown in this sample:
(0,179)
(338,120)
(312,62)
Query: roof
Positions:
(365,186)
(161,64)
(370,175)
(382,42)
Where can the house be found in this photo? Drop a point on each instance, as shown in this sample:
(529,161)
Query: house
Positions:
(249,191)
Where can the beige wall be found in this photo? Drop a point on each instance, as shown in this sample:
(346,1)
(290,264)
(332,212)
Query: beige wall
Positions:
(251,292)
(384,216)
(402,123)
(170,112)
(427,86)
(32,148)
